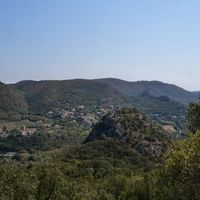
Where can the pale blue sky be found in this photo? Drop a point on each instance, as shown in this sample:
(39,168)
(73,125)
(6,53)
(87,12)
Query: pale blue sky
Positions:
(127,39)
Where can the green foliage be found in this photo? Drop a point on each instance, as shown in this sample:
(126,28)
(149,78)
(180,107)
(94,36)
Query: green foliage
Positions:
(11,100)
(51,181)
(152,88)
(181,172)
(40,97)
(41,140)
(102,170)
(43,96)
(193,117)
(117,162)
(132,127)
(16,182)
(151,104)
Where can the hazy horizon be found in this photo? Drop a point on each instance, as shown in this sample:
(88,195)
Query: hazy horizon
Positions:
(129,40)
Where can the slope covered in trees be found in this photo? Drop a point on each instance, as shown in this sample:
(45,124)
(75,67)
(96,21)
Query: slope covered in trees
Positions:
(46,95)
(39,97)
(100,169)
(131,127)
(107,169)
(12,100)
(153,88)
(43,96)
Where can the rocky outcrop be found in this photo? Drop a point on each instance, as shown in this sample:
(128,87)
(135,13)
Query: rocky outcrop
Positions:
(133,128)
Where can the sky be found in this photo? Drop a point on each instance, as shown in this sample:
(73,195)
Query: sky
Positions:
(127,39)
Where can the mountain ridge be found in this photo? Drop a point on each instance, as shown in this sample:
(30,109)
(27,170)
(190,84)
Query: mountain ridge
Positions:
(136,88)
(100,79)
(42,96)
(154,88)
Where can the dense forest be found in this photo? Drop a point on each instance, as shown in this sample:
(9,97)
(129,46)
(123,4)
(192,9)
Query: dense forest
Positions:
(109,168)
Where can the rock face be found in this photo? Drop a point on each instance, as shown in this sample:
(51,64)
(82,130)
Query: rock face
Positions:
(133,128)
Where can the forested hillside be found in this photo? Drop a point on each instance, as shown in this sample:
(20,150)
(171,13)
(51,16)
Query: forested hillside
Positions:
(12,100)
(66,111)
(116,167)
(153,88)
(108,165)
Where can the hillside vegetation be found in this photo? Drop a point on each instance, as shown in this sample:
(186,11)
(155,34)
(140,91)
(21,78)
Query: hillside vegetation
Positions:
(112,168)
(153,88)
(47,95)
(66,111)
(12,99)
(44,96)
(109,166)
(131,127)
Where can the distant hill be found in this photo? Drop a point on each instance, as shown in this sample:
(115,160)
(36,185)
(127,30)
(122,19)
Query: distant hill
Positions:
(12,99)
(46,95)
(154,105)
(197,93)
(153,88)
(42,96)
(131,127)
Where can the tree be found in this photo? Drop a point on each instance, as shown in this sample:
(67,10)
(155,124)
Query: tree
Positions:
(51,182)
(16,182)
(193,117)
(181,174)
